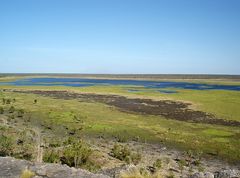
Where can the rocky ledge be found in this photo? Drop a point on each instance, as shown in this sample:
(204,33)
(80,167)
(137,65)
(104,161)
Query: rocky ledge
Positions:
(13,168)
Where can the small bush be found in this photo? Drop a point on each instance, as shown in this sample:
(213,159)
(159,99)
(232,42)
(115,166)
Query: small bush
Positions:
(20,113)
(11,109)
(123,153)
(121,138)
(35,101)
(54,144)
(27,174)
(3,101)
(8,101)
(170,176)
(158,164)
(51,156)
(11,117)
(69,141)
(1,110)
(6,146)
(76,155)
(181,164)
(135,158)
(91,166)
(201,168)
(24,151)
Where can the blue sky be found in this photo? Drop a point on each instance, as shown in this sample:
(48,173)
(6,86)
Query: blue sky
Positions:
(120,36)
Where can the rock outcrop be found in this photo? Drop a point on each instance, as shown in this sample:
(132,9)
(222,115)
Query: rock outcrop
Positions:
(228,173)
(13,168)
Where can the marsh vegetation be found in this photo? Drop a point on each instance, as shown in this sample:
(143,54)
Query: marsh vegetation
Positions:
(88,128)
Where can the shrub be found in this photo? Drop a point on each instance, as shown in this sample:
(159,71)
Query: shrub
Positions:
(8,101)
(6,146)
(11,109)
(69,141)
(35,101)
(11,117)
(54,144)
(76,155)
(170,176)
(1,110)
(3,101)
(123,153)
(27,174)
(121,138)
(20,113)
(158,164)
(24,151)
(135,158)
(181,164)
(91,166)
(51,156)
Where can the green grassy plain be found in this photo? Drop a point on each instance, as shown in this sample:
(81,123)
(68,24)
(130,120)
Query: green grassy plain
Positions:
(98,119)
(222,103)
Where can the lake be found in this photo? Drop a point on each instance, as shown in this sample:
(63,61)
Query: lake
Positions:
(82,82)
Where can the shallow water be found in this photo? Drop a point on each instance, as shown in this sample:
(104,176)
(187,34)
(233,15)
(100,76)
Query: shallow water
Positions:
(80,82)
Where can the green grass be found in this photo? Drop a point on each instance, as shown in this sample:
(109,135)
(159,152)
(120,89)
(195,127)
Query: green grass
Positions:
(224,104)
(218,133)
(102,120)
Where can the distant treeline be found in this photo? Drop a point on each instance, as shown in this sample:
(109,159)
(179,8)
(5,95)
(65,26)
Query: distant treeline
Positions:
(129,76)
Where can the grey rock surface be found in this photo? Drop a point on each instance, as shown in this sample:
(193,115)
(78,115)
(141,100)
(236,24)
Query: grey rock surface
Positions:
(197,175)
(13,168)
(208,175)
(228,173)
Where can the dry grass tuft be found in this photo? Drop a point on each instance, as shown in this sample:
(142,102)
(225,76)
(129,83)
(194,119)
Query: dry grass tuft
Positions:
(27,174)
(134,172)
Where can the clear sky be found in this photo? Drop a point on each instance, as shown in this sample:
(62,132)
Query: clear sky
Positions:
(120,36)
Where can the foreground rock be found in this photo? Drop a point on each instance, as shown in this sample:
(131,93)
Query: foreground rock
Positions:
(219,174)
(13,168)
